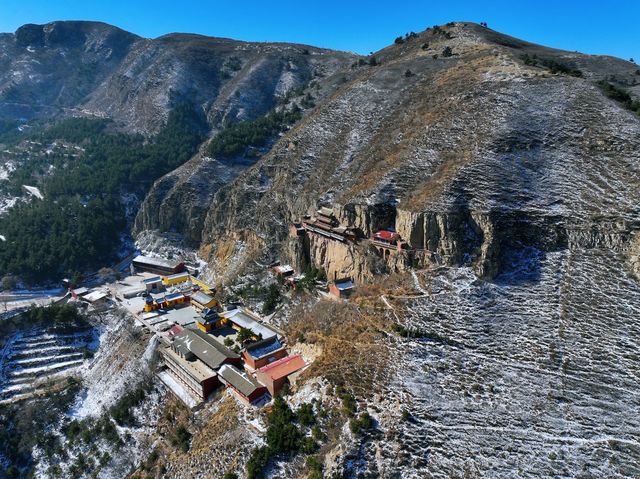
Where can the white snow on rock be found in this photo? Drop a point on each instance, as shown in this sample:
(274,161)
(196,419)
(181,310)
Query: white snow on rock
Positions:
(117,366)
(34,191)
(531,375)
(177,389)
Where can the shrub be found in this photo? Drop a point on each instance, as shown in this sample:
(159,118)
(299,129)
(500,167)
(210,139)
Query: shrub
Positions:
(315,468)
(420,333)
(235,139)
(230,475)
(282,435)
(243,335)
(110,433)
(307,101)
(233,63)
(104,459)
(550,64)
(181,439)
(55,470)
(153,457)
(366,421)
(447,52)
(399,40)
(284,438)
(613,444)
(89,433)
(308,445)
(271,301)
(348,402)
(8,282)
(361,424)
(317,434)
(257,462)
(310,278)
(619,95)
(121,411)
(72,430)
(306,416)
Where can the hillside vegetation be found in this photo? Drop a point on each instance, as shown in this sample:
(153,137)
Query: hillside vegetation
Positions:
(78,225)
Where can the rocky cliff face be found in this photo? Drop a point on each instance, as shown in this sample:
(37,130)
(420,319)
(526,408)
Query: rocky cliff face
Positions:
(633,255)
(463,148)
(180,200)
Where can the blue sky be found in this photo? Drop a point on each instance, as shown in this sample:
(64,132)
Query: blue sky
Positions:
(361,26)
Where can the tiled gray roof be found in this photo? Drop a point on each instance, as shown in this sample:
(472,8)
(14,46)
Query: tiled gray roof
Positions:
(204,347)
(242,382)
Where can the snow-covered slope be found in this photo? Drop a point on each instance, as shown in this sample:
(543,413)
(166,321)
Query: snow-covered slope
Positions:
(534,375)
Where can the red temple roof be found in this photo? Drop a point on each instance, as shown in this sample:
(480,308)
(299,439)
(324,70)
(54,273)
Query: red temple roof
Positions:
(177,329)
(283,367)
(386,235)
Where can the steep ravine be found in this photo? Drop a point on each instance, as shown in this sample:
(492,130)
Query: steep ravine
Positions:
(179,201)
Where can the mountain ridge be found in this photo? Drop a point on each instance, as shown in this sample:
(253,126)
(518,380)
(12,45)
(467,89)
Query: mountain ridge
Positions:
(137,74)
(446,103)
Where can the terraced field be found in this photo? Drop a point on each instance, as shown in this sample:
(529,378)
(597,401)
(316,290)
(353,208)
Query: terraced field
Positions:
(35,360)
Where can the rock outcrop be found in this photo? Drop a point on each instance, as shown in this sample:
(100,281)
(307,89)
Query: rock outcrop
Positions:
(633,255)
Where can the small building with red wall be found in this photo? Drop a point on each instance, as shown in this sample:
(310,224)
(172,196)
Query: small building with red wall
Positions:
(263,352)
(275,375)
(244,386)
(283,270)
(386,237)
(157,266)
(389,239)
(341,288)
(175,330)
(296,229)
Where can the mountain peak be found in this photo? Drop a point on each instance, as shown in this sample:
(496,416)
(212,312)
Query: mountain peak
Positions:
(69,33)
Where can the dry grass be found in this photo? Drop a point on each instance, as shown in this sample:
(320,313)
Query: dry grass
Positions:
(217,430)
(224,420)
(353,336)
(397,284)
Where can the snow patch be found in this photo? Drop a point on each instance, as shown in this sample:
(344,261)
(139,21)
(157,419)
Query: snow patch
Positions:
(34,191)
